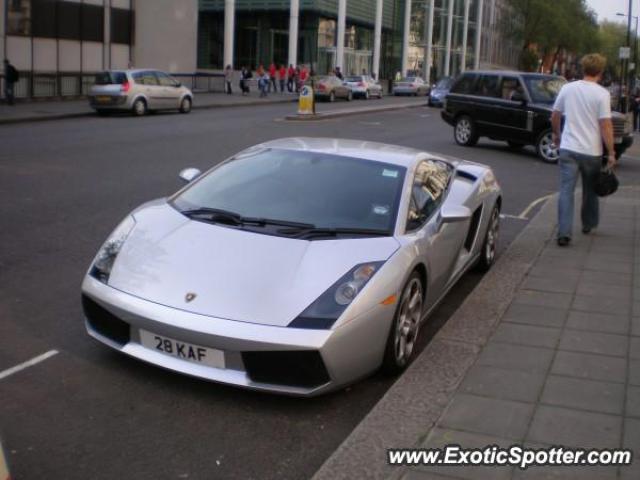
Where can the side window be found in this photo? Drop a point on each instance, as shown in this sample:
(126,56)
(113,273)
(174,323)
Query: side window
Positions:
(429,186)
(464,84)
(509,86)
(487,86)
(165,80)
(145,78)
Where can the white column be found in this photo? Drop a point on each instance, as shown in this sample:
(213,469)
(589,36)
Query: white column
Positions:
(465,34)
(106,45)
(294,13)
(476,57)
(377,40)
(342,20)
(447,58)
(405,36)
(429,53)
(229,31)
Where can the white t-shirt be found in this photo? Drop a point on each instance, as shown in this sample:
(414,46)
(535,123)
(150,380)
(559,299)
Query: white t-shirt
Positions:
(583,104)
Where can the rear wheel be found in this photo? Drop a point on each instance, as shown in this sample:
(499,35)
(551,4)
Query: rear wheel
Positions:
(139,107)
(464,131)
(489,246)
(185,105)
(400,349)
(547,151)
(349,96)
(332,97)
(366,95)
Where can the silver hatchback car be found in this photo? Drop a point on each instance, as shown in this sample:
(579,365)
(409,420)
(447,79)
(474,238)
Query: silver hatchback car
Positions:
(138,91)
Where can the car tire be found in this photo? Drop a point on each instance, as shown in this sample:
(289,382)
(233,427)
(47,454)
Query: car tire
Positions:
(185,105)
(490,242)
(366,95)
(332,97)
(544,148)
(349,96)
(515,145)
(380,95)
(464,131)
(405,328)
(139,107)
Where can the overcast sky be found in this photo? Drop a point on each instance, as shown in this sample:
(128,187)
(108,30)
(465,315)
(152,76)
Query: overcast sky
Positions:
(607,9)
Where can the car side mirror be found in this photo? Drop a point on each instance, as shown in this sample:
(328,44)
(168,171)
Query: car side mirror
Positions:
(189,174)
(518,97)
(453,214)
(178,85)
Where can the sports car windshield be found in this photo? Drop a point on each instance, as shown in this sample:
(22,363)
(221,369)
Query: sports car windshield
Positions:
(322,191)
(544,89)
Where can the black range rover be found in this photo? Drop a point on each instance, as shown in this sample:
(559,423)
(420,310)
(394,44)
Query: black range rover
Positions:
(514,107)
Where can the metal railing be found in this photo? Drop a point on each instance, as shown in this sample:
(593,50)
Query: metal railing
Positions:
(69,85)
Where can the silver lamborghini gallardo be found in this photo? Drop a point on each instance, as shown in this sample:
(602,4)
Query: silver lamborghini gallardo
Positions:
(297,266)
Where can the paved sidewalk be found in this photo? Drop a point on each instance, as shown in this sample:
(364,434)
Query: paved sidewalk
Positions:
(545,351)
(56,109)
(563,365)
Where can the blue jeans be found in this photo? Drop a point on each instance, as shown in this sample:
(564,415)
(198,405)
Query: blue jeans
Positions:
(589,167)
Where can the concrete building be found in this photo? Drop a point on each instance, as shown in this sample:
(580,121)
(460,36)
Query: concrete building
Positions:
(58,45)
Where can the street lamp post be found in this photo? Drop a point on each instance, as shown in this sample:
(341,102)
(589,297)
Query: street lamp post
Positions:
(635,42)
(628,77)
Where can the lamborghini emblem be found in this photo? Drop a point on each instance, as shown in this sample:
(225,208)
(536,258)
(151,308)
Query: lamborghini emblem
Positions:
(189,297)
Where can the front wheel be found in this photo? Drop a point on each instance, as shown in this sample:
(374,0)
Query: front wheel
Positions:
(139,108)
(332,97)
(366,95)
(546,149)
(464,131)
(185,105)
(400,349)
(490,243)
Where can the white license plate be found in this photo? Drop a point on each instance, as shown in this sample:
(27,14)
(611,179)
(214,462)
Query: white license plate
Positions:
(182,350)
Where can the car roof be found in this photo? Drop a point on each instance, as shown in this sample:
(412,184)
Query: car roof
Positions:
(374,151)
(511,72)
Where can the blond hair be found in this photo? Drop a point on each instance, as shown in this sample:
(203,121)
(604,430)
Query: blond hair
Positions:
(593,64)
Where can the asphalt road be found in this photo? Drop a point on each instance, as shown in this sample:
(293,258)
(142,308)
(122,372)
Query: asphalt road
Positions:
(88,412)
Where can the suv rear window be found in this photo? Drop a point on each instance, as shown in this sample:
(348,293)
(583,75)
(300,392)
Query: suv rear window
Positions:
(464,84)
(487,86)
(111,78)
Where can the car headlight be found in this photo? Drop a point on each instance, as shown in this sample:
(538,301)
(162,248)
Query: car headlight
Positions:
(103,263)
(323,313)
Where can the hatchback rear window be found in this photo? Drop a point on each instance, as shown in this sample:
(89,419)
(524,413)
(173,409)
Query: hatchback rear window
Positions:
(111,78)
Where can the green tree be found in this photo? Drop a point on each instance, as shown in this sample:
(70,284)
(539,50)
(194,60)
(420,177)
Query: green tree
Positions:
(611,36)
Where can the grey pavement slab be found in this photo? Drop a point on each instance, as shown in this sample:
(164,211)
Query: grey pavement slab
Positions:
(543,299)
(536,315)
(591,303)
(489,416)
(567,473)
(503,384)
(551,284)
(634,348)
(608,278)
(516,357)
(530,335)
(598,322)
(604,397)
(634,372)
(594,342)
(590,366)
(568,427)
(635,326)
(633,402)
(600,290)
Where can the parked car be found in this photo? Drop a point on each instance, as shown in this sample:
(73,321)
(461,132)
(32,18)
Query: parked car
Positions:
(363,86)
(138,91)
(331,87)
(252,275)
(514,107)
(440,91)
(411,86)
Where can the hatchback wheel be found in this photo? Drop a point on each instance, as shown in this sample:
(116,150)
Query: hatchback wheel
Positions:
(546,149)
(349,96)
(490,243)
(464,132)
(185,105)
(139,107)
(366,95)
(403,335)
(332,97)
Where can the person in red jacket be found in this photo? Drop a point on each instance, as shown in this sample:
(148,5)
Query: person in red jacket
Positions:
(291,75)
(272,78)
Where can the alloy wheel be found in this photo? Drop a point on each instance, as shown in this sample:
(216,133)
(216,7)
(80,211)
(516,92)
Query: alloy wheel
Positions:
(463,130)
(546,149)
(493,232)
(408,322)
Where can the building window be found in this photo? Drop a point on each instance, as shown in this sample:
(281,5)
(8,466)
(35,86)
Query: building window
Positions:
(19,17)
(121,26)
(92,23)
(68,20)
(43,18)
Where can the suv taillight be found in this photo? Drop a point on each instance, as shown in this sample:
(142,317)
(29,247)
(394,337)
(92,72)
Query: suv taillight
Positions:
(124,88)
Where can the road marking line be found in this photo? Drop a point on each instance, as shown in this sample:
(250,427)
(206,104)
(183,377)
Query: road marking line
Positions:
(514,217)
(29,363)
(533,204)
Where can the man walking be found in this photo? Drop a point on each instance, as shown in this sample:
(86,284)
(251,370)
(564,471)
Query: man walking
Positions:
(11,76)
(228,77)
(587,124)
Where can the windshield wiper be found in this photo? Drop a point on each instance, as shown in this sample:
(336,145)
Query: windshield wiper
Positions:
(226,216)
(333,232)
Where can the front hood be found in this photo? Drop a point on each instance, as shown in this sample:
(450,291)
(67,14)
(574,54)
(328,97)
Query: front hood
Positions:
(235,274)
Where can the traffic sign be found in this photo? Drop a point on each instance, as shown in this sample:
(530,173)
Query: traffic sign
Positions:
(624,53)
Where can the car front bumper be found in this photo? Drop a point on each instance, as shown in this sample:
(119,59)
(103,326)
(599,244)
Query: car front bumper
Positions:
(346,354)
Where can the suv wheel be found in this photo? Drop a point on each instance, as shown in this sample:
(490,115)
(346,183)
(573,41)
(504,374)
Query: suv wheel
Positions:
(464,131)
(139,107)
(547,151)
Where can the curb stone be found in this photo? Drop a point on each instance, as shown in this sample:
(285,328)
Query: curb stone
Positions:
(354,111)
(410,408)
